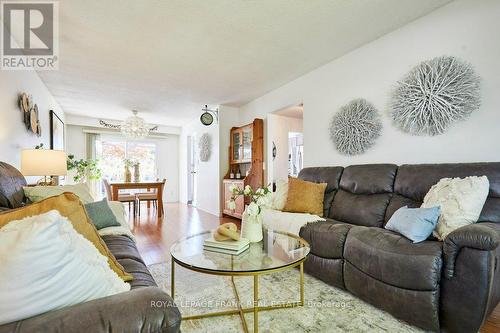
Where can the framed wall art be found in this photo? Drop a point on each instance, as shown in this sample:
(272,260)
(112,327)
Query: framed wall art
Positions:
(56,132)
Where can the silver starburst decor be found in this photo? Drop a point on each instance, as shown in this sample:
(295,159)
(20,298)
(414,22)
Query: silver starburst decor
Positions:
(435,94)
(355,127)
(204,146)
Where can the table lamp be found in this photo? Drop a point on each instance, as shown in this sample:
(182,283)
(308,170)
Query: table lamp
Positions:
(43,162)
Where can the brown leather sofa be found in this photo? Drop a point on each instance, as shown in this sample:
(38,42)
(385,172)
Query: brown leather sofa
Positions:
(131,311)
(449,286)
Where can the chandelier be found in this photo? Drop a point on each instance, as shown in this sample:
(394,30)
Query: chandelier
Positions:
(134,127)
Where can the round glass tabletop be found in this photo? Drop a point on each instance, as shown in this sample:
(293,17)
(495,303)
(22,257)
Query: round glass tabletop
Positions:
(277,250)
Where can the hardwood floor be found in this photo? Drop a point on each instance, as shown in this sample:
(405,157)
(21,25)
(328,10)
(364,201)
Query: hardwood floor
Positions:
(155,236)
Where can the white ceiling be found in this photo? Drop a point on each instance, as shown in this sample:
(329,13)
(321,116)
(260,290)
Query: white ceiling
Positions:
(169,58)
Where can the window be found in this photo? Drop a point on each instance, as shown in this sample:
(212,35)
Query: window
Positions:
(111,153)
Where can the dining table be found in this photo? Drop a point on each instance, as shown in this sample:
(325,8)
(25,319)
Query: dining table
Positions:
(147,185)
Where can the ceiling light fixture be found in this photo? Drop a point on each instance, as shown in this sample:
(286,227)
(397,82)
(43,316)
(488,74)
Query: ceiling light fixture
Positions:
(134,127)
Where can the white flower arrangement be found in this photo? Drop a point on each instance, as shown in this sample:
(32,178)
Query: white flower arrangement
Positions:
(259,197)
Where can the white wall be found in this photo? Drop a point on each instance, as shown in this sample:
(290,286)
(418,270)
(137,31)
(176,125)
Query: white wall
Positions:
(13,133)
(278,128)
(207,173)
(75,141)
(168,165)
(467,29)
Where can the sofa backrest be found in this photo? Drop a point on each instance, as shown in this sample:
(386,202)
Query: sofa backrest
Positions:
(11,187)
(369,194)
(414,181)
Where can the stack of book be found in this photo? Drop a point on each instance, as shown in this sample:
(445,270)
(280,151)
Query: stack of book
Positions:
(228,247)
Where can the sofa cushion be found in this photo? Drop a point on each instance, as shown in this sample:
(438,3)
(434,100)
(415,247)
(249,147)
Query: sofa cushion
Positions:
(326,238)
(398,201)
(360,209)
(368,178)
(141,274)
(125,251)
(122,247)
(364,194)
(393,259)
(417,307)
(11,187)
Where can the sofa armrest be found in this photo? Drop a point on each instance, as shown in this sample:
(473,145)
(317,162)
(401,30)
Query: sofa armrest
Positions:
(147,309)
(481,236)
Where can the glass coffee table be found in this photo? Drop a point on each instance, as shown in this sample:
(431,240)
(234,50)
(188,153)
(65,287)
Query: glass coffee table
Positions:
(278,251)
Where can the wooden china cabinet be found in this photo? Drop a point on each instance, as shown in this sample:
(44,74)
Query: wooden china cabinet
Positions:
(246,155)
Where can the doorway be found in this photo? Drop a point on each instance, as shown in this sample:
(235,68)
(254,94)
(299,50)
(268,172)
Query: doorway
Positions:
(295,153)
(192,164)
(285,143)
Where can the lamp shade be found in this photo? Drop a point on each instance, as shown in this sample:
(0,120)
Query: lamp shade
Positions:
(43,162)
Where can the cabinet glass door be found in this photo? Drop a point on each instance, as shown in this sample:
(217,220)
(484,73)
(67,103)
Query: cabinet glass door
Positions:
(247,144)
(236,145)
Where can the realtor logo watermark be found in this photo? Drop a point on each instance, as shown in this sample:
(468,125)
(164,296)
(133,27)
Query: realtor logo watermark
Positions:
(29,35)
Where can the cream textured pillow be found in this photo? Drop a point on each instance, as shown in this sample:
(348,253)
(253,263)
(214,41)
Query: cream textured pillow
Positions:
(47,265)
(279,197)
(461,201)
(38,193)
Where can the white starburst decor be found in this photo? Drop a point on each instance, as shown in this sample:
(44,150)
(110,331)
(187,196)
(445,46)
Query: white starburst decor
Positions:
(355,127)
(435,94)
(204,145)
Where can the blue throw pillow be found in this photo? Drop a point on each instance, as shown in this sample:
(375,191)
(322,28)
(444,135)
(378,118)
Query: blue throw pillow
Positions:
(416,224)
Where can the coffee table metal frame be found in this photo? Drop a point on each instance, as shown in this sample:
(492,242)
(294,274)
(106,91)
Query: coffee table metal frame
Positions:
(255,308)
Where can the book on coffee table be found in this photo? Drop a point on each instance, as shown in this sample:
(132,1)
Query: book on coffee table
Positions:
(226,251)
(229,246)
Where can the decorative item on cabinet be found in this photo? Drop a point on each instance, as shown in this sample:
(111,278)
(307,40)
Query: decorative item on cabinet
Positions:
(246,163)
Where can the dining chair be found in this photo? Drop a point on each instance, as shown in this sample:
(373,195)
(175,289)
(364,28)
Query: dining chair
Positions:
(122,197)
(150,197)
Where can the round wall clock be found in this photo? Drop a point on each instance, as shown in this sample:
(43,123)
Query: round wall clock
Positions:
(206,119)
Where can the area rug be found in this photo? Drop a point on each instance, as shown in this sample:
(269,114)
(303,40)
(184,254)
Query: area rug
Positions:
(326,308)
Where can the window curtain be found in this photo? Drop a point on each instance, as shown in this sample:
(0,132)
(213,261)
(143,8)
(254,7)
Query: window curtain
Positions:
(91,153)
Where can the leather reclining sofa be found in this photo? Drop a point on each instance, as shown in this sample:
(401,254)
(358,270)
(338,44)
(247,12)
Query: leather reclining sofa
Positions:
(449,286)
(131,311)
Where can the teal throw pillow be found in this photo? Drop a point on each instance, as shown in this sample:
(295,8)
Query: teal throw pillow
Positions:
(101,215)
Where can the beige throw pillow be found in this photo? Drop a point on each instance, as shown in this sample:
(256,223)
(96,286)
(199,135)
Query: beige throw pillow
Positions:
(38,193)
(461,201)
(305,197)
(279,197)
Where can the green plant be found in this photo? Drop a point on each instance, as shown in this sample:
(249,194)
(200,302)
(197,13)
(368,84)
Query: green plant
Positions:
(85,169)
(129,162)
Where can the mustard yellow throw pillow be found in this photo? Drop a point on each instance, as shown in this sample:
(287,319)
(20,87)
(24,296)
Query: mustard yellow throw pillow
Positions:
(68,205)
(304,197)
